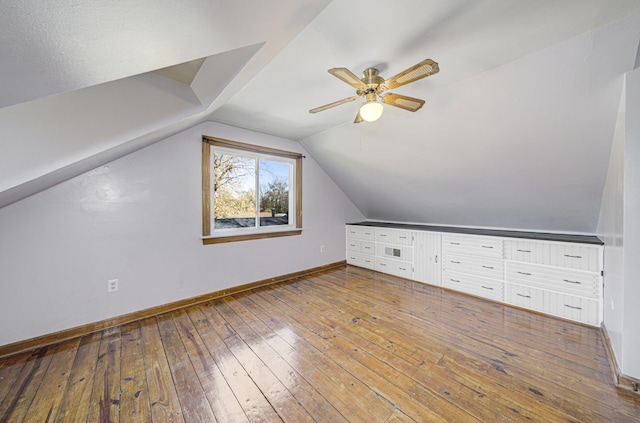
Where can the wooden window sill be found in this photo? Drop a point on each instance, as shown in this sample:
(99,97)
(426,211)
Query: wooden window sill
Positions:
(247,237)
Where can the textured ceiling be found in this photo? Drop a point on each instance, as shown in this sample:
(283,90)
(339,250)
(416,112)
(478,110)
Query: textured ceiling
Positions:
(516,130)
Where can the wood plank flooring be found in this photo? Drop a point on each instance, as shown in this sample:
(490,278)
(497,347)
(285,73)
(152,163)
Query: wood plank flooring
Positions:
(344,345)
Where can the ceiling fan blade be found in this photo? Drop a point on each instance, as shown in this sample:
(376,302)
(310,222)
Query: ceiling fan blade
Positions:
(402,101)
(347,76)
(421,70)
(358,118)
(334,104)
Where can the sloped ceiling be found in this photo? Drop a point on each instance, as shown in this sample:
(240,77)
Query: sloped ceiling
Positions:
(77,86)
(525,145)
(516,131)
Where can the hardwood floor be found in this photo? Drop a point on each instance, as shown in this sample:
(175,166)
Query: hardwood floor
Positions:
(344,345)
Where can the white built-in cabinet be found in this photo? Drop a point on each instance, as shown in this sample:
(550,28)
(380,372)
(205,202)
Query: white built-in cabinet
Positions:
(473,264)
(394,252)
(361,247)
(563,279)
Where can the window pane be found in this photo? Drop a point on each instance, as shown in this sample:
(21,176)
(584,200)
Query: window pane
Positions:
(275,182)
(234,196)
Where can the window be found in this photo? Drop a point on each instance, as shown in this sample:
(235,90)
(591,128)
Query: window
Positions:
(249,191)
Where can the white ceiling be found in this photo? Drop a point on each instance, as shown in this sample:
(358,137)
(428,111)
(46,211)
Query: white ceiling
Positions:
(77,87)
(466,37)
(516,130)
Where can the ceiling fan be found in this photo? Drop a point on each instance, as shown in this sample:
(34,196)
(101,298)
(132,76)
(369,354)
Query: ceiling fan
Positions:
(371,86)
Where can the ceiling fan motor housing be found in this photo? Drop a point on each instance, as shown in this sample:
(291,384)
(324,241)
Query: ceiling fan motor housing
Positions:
(371,78)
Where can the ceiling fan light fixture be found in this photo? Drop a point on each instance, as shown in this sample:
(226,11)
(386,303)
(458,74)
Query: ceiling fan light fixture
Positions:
(371,110)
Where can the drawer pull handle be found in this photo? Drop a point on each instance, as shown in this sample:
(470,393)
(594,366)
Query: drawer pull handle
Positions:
(486,287)
(569,255)
(454,243)
(487,246)
(454,280)
(524,273)
(402,237)
(367,261)
(402,268)
(456,262)
(382,264)
(575,308)
(436,258)
(524,251)
(487,267)
(367,233)
(523,296)
(570,281)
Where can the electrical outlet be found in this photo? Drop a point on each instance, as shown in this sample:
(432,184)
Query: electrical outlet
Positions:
(112,285)
(322,248)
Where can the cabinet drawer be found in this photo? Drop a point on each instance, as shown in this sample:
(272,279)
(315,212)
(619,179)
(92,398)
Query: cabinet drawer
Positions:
(525,296)
(474,285)
(575,308)
(477,265)
(393,267)
(353,245)
(567,306)
(403,269)
(397,252)
(368,247)
(357,246)
(393,236)
(360,232)
(473,244)
(574,282)
(362,260)
(572,256)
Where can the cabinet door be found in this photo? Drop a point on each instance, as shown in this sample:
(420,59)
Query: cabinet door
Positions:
(427,257)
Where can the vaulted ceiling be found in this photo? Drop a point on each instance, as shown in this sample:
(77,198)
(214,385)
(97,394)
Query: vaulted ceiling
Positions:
(516,130)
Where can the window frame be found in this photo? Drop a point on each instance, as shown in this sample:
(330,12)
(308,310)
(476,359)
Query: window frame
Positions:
(209,236)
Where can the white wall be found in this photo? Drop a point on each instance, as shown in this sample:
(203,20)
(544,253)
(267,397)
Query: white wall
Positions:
(610,230)
(138,219)
(619,227)
(631,335)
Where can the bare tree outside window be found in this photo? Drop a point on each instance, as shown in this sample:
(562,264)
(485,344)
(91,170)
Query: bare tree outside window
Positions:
(233,190)
(275,197)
